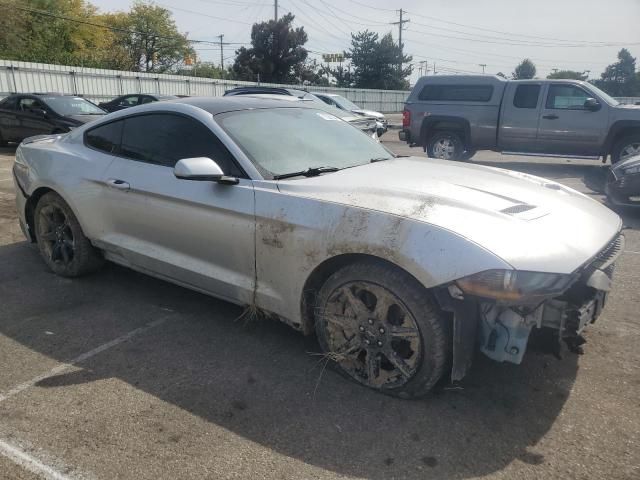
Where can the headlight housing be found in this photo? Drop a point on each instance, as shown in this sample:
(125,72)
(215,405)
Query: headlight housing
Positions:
(512,286)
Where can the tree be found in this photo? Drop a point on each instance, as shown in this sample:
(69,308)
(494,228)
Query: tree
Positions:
(567,74)
(376,62)
(151,39)
(277,52)
(525,70)
(55,38)
(620,79)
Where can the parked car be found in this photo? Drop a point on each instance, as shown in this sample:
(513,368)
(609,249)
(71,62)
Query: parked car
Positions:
(342,103)
(127,101)
(367,124)
(622,185)
(23,115)
(400,266)
(452,117)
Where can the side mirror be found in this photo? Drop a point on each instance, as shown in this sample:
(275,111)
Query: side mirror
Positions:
(39,112)
(592,104)
(202,169)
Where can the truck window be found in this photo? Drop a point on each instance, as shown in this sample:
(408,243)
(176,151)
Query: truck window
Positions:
(456,93)
(526,96)
(566,97)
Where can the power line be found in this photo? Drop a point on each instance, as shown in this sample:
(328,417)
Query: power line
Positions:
(99,25)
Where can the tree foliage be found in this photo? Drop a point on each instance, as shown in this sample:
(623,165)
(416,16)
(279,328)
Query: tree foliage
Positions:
(30,36)
(376,63)
(568,75)
(620,79)
(73,32)
(524,71)
(277,53)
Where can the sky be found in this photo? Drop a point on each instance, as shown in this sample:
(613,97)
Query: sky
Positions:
(452,36)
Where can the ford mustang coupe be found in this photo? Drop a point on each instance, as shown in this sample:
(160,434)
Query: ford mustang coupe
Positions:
(403,267)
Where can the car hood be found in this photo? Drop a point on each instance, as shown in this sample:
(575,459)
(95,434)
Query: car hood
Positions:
(530,222)
(82,119)
(369,113)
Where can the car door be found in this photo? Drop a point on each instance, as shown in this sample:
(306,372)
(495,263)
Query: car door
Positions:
(520,116)
(8,120)
(197,233)
(566,126)
(31,120)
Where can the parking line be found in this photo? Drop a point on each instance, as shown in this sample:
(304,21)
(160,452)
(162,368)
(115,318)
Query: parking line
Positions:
(30,463)
(629,251)
(80,358)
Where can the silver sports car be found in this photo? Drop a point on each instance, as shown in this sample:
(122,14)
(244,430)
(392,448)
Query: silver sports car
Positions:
(403,267)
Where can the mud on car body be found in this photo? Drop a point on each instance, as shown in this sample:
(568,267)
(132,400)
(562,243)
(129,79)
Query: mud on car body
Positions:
(400,266)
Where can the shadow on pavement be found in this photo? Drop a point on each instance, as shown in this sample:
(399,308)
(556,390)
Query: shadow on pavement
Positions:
(263,382)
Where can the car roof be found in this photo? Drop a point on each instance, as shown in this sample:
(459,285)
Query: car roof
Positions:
(215,105)
(248,90)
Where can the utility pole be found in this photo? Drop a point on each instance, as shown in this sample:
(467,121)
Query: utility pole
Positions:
(483,65)
(275,10)
(221,37)
(400,28)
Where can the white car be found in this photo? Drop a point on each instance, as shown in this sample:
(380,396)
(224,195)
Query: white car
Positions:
(402,266)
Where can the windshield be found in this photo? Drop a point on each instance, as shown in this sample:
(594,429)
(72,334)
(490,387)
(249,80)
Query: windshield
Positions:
(285,140)
(67,106)
(610,100)
(344,103)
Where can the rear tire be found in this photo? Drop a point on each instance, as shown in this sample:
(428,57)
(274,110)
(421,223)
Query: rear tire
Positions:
(62,244)
(625,148)
(3,142)
(445,145)
(378,326)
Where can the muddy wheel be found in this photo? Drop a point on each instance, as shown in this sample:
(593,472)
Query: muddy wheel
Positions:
(445,145)
(625,148)
(378,326)
(61,241)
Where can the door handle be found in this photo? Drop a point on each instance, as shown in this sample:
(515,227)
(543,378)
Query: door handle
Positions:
(119,184)
(550,117)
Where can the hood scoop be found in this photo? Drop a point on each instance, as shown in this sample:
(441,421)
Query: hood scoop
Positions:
(525,211)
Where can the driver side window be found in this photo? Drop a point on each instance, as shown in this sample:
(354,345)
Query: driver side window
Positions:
(566,97)
(26,104)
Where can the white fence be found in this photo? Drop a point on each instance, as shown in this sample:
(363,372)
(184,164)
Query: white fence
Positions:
(99,85)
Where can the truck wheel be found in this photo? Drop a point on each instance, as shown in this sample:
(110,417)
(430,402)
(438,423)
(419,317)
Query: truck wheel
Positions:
(61,242)
(626,147)
(445,145)
(378,326)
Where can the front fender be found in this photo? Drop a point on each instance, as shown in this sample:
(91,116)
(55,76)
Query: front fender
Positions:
(295,235)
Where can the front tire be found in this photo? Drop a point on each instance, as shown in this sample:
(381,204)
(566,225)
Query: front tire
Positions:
(61,241)
(445,145)
(379,327)
(626,147)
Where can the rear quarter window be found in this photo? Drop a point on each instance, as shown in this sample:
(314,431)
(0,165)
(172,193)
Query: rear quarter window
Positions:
(456,93)
(105,138)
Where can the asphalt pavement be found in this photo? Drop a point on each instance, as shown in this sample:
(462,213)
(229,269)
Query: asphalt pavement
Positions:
(119,375)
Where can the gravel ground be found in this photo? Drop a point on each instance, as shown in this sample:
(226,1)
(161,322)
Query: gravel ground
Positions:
(182,390)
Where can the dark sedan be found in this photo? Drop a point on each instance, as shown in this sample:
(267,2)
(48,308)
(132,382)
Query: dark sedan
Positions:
(127,101)
(26,115)
(623,183)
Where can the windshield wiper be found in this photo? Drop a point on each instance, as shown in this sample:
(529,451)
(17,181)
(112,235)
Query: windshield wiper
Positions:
(309,172)
(379,159)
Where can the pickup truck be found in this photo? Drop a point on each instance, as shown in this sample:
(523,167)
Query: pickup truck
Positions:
(452,117)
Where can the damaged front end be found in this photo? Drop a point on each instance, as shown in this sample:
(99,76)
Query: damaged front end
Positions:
(496,310)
